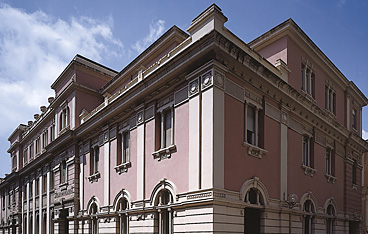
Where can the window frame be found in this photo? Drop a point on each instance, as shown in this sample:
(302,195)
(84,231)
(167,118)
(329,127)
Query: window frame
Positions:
(25,156)
(63,172)
(354,119)
(163,148)
(308,80)
(94,159)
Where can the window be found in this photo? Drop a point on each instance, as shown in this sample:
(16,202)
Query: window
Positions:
(330,99)
(330,162)
(253,124)
(124,141)
(52,180)
(30,190)
(354,172)
(63,172)
(45,139)
(330,219)
(25,156)
(123,224)
(38,145)
(31,151)
(308,79)
(354,119)
(165,213)
(307,151)
(52,132)
(14,161)
(308,208)
(44,183)
(166,133)
(94,159)
(64,118)
(37,187)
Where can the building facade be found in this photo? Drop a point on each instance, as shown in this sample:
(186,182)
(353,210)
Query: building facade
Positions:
(201,133)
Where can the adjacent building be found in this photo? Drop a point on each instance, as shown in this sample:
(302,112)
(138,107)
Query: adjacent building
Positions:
(201,133)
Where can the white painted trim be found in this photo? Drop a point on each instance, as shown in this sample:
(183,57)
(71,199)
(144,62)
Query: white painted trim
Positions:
(194,141)
(48,203)
(140,162)
(207,140)
(106,178)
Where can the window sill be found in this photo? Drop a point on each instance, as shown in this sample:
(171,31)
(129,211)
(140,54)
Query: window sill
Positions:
(63,186)
(94,177)
(123,167)
(331,179)
(164,152)
(309,171)
(308,96)
(330,113)
(64,130)
(254,150)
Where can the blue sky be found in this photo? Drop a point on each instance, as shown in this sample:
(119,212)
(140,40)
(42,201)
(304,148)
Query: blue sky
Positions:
(39,38)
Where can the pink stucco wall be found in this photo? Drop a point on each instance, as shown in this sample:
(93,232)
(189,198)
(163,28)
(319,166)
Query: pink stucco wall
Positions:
(299,183)
(126,180)
(239,166)
(96,188)
(174,169)
(275,51)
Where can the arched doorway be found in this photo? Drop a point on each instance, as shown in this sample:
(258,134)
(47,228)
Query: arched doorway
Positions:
(122,224)
(253,212)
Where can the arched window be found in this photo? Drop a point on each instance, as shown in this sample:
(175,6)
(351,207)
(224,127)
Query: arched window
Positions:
(309,210)
(94,219)
(330,219)
(252,213)
(123,221)
(164,212)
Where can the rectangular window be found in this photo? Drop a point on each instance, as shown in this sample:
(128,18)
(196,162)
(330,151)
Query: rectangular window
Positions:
(94,159)
(330,162)
(38,145)
(14,162)
(52,180)
(31,151)
(63,172)
(52,133)
(307,151)
(44,183)
(330,99)
(45,139)
(37,186)
(31,189)
(166,128)
(308,80)
(25,156)
(354,119)
(253,125)
(125,142)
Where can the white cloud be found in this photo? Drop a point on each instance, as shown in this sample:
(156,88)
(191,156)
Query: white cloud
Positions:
(365,135)
(34,50)
(155,30)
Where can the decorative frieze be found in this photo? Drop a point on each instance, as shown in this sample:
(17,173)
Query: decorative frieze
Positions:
(193,87)
(234,90)
(272,112)
(181,96)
